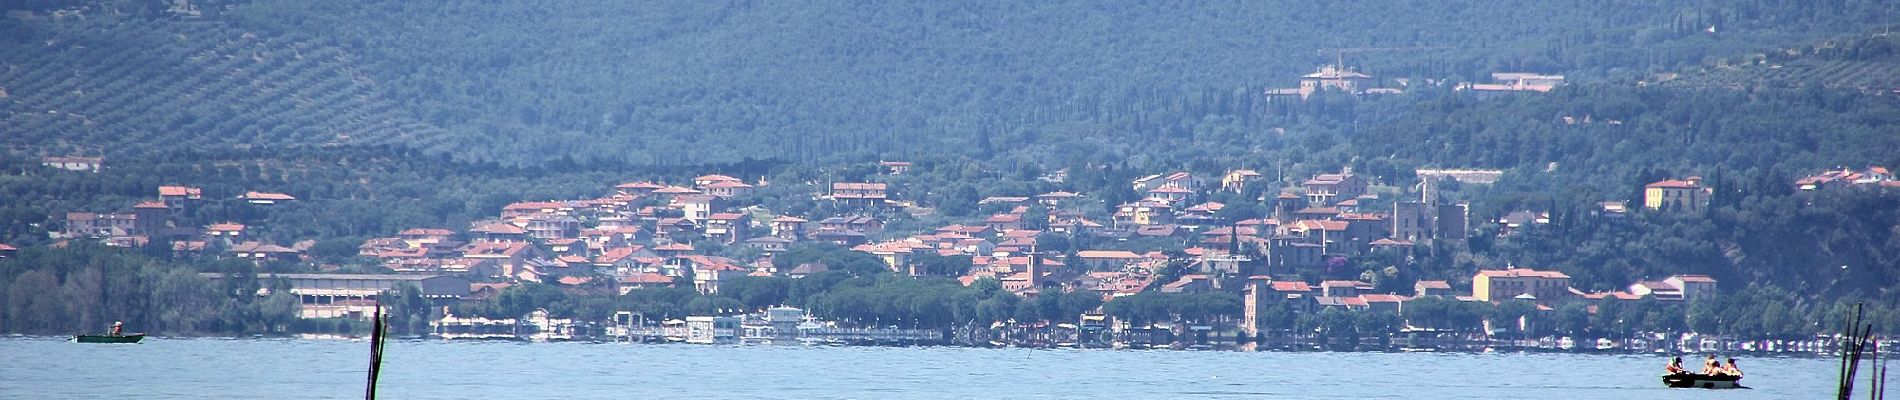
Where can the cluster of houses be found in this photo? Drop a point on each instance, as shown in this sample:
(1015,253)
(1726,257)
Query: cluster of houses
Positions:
(1847,178)
(645,234)
(1506,82)
(74,163)
(156,219)
(642,234)
(1337,77)
(651,234)
(1692,194)
(1326,219)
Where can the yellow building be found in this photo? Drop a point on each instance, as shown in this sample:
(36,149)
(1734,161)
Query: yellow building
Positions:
(1142,213)
(1500,285)
(1677,195)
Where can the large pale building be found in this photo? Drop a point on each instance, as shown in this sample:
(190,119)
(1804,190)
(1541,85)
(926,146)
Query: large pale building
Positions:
(1333,77)
(1326,189)
(355,295)
(1677,195)
(1500,285)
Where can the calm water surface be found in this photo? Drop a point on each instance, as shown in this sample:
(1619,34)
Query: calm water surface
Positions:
(52,368)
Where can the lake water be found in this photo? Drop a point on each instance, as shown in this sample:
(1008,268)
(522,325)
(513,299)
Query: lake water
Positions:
(52,368)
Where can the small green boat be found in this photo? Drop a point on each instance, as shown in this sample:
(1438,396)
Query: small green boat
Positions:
(131,338)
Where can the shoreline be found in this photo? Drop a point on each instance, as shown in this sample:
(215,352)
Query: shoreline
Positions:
(1225,348)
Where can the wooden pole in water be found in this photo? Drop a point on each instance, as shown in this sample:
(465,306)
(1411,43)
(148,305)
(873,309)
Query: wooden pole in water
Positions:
(375,351)
(1844,383)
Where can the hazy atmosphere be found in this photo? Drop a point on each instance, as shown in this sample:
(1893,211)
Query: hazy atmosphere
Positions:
(1013,191)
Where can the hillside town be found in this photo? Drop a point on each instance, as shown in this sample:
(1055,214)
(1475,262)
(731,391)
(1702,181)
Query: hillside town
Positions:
(694,234)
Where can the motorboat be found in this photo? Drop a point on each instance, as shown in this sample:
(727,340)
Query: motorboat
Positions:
(1701,381)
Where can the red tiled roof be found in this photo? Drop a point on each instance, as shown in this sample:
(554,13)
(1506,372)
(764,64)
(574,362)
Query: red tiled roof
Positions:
(1116,254)
(647,278)
(426,232)
(1309,224)
(499,228)
(693,198)
(179,191)
(150,204)
(1383,298)
(1696,278)
(1523,272)
(267,196)
(639,185)
(614,255)
(534,205)
(1673,184)
(1291,286)
(1434,284)
(1021,233)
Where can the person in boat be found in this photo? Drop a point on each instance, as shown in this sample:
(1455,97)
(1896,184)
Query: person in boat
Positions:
(1710,366)
(1731,369)
(1675,367)
(117,328)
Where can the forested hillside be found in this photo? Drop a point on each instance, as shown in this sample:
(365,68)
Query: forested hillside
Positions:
(1866,63)
(718,81)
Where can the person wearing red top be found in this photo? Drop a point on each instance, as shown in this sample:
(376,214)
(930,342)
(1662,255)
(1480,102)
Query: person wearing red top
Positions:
(1675,366)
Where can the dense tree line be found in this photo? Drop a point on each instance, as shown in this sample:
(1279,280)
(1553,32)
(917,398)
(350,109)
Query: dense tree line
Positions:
(86,286)
(812,81)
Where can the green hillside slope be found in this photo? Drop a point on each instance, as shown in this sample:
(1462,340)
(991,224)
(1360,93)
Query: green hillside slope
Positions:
(677,82)
(111,84)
